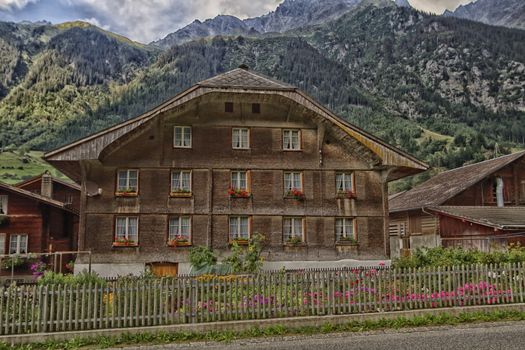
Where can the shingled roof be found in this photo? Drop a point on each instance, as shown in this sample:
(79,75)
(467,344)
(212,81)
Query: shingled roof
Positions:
(237,81)
(440,188)
(500,218)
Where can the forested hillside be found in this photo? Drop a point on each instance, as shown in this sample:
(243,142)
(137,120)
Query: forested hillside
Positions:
(448,90)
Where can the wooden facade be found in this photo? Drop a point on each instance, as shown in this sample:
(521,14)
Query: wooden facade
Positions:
(413,225)
(149,153)
(31,223)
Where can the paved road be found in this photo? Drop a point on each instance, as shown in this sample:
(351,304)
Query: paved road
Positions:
(486,336)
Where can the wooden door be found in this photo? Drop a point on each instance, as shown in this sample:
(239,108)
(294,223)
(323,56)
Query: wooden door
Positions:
(164,269)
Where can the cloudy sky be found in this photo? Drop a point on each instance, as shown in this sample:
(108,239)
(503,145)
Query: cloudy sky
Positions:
(148,20)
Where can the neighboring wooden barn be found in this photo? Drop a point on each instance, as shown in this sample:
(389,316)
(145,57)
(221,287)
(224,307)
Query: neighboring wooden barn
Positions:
(235,155)
(498,182)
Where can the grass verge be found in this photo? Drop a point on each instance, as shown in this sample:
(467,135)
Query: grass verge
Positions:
(278,330)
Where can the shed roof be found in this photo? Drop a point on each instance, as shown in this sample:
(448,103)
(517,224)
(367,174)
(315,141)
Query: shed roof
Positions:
(37,197)
(440,188)
(500,218)
(239,80)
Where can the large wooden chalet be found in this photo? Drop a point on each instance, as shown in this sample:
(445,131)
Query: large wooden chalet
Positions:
(465,207)
(234,155)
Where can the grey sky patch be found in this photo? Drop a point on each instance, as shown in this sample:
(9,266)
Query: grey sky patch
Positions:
(148,20)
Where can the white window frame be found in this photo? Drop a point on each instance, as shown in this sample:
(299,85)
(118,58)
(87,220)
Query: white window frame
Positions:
(348,226)
(180,188)
(342,178)
(19,247)
(182,142)
(236,180)
(288,140)
(3,238)
(294,176)
(236,222)
(238,141)
(4,200)
(293,220)
(127,220)
(174,230)
(125,189)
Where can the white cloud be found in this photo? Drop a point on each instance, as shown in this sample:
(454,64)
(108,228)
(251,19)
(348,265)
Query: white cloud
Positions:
(10,5)
(95,22)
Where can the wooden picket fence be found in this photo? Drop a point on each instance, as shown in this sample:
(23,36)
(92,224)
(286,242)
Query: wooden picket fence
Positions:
(148,302)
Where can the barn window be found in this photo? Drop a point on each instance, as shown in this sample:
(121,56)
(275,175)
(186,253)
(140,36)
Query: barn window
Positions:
(182,137)
(18,244)
(3,204)
(291,140)
(293,230)
(179,230)
(228,107)
(181,181)
(127,230)
(128,182)
(240,138)
(293,181)
(256,108)
(345,230)
(239,228)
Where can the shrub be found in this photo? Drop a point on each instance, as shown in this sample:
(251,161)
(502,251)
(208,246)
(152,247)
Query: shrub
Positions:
(246,260)
(201,257)
(50,277)
(440,256)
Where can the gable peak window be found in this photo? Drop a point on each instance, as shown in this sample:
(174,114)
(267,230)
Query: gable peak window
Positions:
(18,244)
(182,136)
(293,230)
(3,204)
(181,182)
(239,228)
(126,231)
(345,230)
(127,182)
(179,232)
(240,138)
(228,107)
(291,140)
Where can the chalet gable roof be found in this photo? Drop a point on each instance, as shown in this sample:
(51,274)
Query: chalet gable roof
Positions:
(499,218)
(37,197)
(442,187)
(236,81)
(33,179)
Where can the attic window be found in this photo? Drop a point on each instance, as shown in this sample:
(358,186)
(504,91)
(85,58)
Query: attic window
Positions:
(228,107)
(256,108)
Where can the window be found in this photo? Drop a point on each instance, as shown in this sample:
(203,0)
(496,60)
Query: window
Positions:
(239,228)
(256,108)
(3,204)
(228,107)
(240,138)
(239,180)
(180,229)
(182,137)
(291,140)
(127,230)
(345,230)
(181,181)
(293,181)
(18,244)
(344,182)
(2,243)
(128,181)
(293,230)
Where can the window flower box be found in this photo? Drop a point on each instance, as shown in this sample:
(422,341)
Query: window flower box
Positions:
(179,242)
(125,243)
(346,194)
(4,219)
(294,241)
(128,192)
(181,194)
(241,241)
(346,241)
(233,193)
(296,194)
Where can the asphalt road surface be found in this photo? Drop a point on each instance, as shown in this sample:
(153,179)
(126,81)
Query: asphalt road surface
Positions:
(485,336)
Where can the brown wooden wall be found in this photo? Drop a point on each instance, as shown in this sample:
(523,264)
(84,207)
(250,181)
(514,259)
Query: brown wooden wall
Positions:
(60,192)
(211,159)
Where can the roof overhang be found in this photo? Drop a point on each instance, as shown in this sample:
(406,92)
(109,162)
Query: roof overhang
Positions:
(474,220)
